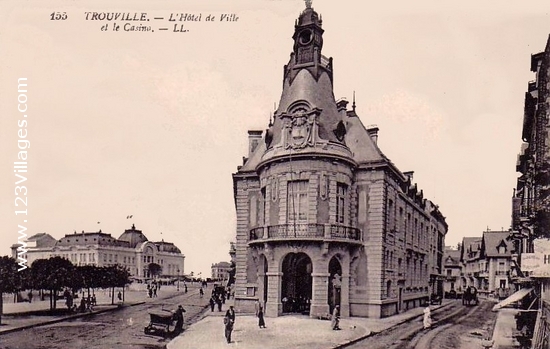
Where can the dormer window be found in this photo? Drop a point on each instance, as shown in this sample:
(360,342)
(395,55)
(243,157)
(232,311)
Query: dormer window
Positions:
(501,248)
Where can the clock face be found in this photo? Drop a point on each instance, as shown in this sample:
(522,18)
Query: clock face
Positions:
(305,37)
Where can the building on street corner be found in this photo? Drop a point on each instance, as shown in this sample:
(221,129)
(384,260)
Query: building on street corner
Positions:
(324,218)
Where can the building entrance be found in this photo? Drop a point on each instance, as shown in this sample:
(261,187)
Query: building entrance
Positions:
(296,285)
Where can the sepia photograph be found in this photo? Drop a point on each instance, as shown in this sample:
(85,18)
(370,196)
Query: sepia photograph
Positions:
(274,174)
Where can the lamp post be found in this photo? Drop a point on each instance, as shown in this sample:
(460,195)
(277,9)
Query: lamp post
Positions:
(178,280)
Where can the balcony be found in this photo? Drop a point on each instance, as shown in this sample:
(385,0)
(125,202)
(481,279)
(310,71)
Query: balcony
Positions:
(305,231)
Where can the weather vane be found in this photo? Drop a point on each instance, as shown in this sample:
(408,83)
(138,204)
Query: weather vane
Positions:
(308,3)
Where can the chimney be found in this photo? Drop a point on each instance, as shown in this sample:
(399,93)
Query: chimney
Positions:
(409,174)
(372,130)
(341,104)
(254,139)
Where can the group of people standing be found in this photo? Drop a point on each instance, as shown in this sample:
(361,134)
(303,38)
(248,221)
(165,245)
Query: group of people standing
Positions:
(86,303)
(152,289)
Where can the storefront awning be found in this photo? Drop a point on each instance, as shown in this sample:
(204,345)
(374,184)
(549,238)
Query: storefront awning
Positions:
(513,298)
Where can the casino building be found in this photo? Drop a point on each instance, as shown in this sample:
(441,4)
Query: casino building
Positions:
(132,250)
(324,218)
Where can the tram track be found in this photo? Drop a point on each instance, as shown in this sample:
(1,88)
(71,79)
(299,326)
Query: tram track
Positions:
(411,334)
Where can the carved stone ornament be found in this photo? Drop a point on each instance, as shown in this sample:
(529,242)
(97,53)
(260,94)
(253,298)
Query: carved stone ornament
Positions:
(300,128)
(323,186)
(274,189)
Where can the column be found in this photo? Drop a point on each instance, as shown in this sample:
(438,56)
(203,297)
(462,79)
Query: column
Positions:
(344,295)
(274,306)
(319,302)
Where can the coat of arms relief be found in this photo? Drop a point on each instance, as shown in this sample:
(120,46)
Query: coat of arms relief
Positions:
(300,127)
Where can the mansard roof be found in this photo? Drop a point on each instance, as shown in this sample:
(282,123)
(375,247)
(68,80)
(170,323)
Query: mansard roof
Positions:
(133,236)
(492,240)
(451,257)
(361,144)
(164,246)
(471,247)
(43,240)
(90,238)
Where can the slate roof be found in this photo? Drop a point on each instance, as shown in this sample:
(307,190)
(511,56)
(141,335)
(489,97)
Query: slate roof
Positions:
(492,240)
(363,147)
(451,258)
(471,245)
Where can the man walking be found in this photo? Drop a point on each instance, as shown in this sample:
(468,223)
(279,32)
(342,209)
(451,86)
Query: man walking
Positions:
(229,321)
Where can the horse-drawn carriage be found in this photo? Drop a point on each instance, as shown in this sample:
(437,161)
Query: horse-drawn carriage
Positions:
(469,296)
(165,322)
(162,323)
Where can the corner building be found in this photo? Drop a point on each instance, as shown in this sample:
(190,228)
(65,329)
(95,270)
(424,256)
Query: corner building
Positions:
(323,217)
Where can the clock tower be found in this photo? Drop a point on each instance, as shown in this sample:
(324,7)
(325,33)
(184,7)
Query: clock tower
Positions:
(308,36)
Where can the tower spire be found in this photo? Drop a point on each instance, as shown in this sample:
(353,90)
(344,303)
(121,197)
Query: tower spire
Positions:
(353,104)
(308,3)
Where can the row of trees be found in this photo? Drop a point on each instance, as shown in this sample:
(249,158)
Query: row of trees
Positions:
(56,274)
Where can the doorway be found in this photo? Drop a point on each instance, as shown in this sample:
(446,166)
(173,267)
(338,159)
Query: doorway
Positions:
(296,283)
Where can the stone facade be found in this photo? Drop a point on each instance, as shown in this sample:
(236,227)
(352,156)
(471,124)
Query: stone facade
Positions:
(220,271)
(324,218)
(131,250)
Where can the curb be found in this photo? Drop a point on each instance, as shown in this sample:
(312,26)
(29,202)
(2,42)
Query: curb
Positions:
(372,333)
(70,317)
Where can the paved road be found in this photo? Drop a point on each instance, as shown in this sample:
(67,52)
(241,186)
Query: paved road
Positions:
(119,329)
(455,327)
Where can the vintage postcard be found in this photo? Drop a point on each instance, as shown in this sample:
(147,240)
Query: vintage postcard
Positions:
(273,174)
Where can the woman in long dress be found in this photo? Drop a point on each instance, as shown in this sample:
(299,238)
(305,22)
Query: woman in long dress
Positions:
(335,322)
(261,322)
(427,317)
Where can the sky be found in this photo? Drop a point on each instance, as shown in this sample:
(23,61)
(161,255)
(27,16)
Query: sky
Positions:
(153,124)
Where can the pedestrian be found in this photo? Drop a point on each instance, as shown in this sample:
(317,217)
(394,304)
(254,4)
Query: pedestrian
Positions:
(261,322)
(119,296)
(82,305)
(257,307)
(94,300)
(335,322)
(219,302)
(30,296)
(178,316)
(186,288)
(229,321)
(212,303)
(201,292)
(69,301)
(427,318)
(155,291)
(150,293)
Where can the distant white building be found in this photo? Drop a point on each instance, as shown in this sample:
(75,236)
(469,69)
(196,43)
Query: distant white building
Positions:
(220,271)
(132,250)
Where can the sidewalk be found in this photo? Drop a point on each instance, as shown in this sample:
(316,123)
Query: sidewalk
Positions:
(289,331)
(18,316)
(505,326)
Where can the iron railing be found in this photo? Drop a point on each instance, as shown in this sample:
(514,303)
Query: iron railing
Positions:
(305,231)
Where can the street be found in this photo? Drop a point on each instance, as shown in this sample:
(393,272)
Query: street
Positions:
(454,327)
(118,329)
